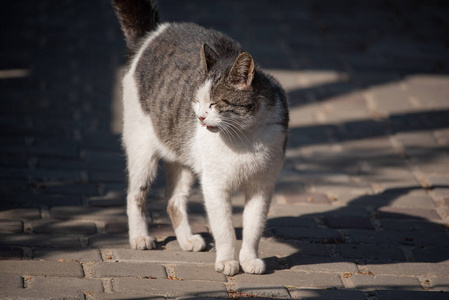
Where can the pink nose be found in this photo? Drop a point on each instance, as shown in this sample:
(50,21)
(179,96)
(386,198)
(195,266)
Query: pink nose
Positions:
(201,119)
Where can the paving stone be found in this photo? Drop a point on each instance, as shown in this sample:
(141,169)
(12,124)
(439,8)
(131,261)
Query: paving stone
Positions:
(81,285)
(439,284)
(122,269)
(42,268)
(121,296)
(83,189)
(41,294)
(431,254)
(261,290)
(404,213)
(7,253)
(327,294)
(50,200)
(11,226)
(88,213)
(369,282)
(81,255)
(8,281)
(310,198)
(370,252)
(409,269)
(108,241)
(188,272)
(293,279)
(297,233)
(60,227)
(170,288)
(412,202)
(157,230)
(407,295)
(20,213)
(409,225)
(315,264)
(396,237)
(199,258)
(303,221)
(41,240)
(348,222)
(285,248)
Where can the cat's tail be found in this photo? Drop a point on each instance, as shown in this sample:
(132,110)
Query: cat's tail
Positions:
(137,18)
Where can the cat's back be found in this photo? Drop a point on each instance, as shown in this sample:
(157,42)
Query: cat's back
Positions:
(168,72)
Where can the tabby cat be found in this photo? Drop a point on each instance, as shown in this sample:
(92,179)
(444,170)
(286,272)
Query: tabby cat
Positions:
(194,98)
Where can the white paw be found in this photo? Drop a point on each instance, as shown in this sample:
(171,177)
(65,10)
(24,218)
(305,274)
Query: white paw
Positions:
(194,243)
(143,243)
(255,266)
(229,267)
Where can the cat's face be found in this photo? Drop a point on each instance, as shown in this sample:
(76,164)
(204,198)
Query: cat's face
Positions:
(227,101)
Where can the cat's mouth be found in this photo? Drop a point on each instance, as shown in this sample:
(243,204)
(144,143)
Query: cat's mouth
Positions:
(210,127)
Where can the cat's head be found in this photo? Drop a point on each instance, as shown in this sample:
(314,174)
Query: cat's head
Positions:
(230,98)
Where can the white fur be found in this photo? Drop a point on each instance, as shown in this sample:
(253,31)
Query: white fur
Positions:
(249,160)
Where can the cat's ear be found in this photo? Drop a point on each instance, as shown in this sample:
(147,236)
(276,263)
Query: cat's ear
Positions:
(242,72)
(209,57)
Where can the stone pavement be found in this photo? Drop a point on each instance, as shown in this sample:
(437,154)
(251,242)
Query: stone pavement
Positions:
(361,207)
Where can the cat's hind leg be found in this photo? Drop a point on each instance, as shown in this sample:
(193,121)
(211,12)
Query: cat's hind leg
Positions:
(179,183)
(142,163)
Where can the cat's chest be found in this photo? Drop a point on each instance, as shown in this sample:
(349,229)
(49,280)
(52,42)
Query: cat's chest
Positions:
(239,159)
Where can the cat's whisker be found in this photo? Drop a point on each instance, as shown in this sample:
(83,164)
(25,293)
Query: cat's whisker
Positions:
(236,131)
(236,125)
(227,130)
(224,130)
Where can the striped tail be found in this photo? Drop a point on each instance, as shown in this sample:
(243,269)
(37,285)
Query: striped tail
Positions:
(137,18)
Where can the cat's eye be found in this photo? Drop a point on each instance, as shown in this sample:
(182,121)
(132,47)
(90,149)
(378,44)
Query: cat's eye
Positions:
(210,106)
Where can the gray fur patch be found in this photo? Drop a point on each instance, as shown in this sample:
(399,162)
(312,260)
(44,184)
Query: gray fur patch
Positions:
(177,62)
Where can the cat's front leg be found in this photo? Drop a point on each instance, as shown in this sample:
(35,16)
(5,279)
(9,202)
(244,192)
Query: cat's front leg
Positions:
(258,198)
(219,211)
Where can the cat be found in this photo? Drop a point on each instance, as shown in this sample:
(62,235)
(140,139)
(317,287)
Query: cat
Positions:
(194,98)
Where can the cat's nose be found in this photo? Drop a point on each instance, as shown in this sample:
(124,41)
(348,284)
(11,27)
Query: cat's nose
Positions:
(201,119)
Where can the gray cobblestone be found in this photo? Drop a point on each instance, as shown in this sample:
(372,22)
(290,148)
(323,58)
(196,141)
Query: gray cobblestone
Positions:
(327,294)
(407,295)
(199,258)
(369,282)
(370,252)
(76,285)
(315,264)
(8,281)
(120,296)
(11,226)
(261,290)
(41,240)
(11,214)
(42,268)
(81,255)
(293,279)
(198,273)
(58,227)
(170,288)
(41,294)
(410,269)
(146,270)
(439,284)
